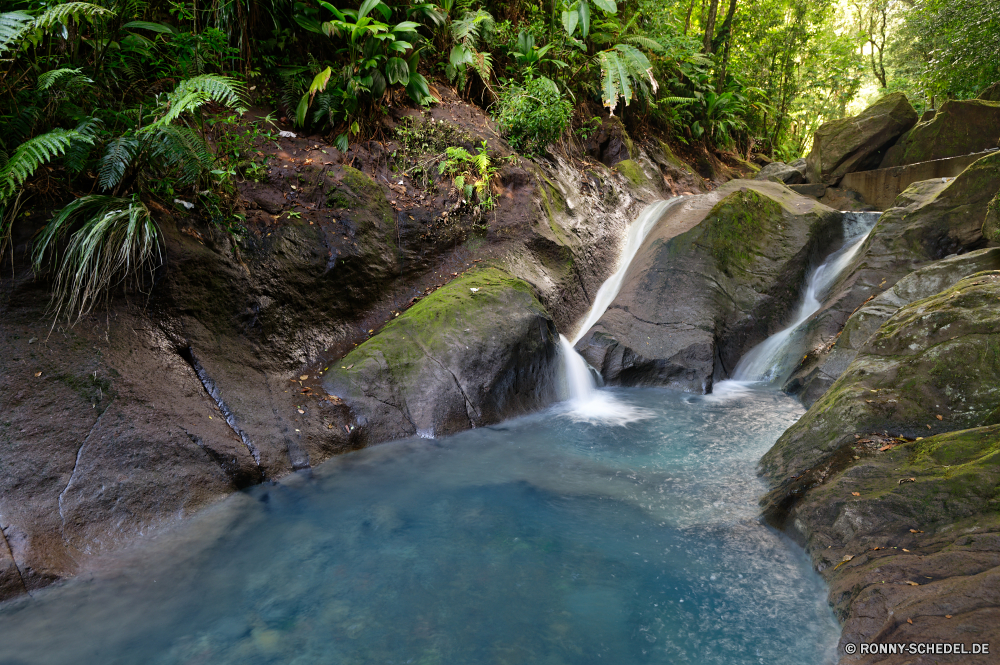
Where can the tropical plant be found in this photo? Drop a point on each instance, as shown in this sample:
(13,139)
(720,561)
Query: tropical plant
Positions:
(533,115)
(111,241)
(473,174)
(380,55)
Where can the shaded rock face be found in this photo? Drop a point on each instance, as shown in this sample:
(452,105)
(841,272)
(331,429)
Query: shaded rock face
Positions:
(939,356)
(857,144)
(991,93)
(958,128)
(891,478)
(925,550)
(716,276)
(781,172)
(868,318)
(929,221)
(476,351)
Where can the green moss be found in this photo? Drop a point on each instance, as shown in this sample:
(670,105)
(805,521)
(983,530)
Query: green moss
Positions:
(425,328)
(735,226)
(633,172)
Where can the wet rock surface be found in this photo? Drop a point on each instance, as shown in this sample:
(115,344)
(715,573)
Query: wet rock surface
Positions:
(930,220)
(166,402)
(781,172)
(890,479)
(858,143)
(715,276)
(474,352)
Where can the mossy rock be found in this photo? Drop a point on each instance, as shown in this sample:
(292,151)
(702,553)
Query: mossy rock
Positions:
(631,170)
(960,127)
(479,349)
(692,302)
(932,367)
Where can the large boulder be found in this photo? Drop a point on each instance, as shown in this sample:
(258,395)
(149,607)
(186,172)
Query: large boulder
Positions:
(958,128)
(692,303)
(932,367)
(856,144)
(991,93)
(781,172)
(929,221)
(872,314)
(476,351)
(891,479)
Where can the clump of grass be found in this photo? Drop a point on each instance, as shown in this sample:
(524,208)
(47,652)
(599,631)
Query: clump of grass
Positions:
(115,241)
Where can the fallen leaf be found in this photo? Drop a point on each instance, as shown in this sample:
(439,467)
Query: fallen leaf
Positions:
(947,616)
(856,493)
(940,417)
(905,550)
(304,377)
(912,583)
(329,426)
(906,480)
(915,531)
(37,374)
(928,427)
(885,448)
(300,410)
(848,557)
(909,621)
(350,366)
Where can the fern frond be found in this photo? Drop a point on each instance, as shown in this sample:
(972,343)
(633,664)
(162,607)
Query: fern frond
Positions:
(117,158)
(78,151)
(118,241)
(63,13)
(181,152)
(192,93)
(33,153)
(19,127)
(13,27)
(63,77)
(645,42)
(473,27)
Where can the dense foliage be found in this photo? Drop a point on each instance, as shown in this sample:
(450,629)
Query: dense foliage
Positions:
(122,102)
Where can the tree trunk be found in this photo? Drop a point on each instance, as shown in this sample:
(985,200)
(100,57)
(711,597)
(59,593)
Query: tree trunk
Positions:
(726,29)
(687,20)
(713,10)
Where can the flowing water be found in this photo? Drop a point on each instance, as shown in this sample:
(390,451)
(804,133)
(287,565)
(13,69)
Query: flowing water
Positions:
(619,527)
(773,359)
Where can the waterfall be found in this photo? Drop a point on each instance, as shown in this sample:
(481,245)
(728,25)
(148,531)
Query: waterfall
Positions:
(585,402)
(769,360)
(609,290)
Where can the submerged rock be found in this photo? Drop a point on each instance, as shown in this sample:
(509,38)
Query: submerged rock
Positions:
(694,300)
(856,144)
(929,221)
(959,127)
(476,351)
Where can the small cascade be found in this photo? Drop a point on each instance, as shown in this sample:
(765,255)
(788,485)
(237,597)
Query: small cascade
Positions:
(768,360)
(585,403)
(637,233)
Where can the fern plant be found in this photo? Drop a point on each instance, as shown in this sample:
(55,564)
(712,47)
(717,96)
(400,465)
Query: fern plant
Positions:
(115,241)
(473,174)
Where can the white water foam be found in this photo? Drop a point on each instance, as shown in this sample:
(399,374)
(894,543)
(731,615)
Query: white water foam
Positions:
(767,361)
(584,402)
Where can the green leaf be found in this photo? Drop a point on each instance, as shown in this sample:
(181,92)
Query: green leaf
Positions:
(418,90)
(569,20)
(584,11)
(300,112)
(608,6)
(341,142)
(319,82)
(460,55)
(397,71)
(366,7)
(149,25)
(405,26)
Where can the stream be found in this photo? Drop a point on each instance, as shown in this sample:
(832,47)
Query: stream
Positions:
(619,526)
